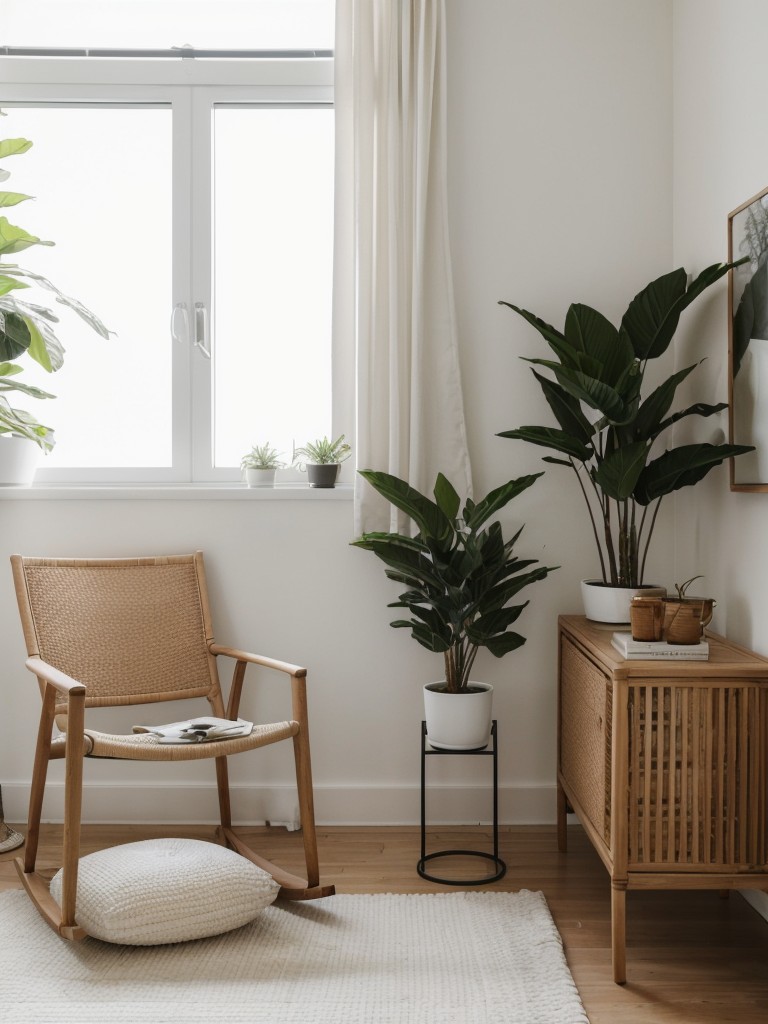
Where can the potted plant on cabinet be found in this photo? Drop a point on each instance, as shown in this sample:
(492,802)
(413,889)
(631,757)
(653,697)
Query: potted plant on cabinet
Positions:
(322,459)
(459,575)
(260,465)
(26,328)
(608,431)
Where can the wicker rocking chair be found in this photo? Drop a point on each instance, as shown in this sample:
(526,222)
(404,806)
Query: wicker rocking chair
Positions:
(109,632)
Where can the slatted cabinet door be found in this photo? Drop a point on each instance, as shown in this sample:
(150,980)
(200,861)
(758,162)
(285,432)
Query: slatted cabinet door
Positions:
(697,789)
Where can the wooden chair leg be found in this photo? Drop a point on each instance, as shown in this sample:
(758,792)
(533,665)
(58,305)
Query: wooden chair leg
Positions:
(619,931)
(73,801)
(39,776)
(306,807)
(222,784)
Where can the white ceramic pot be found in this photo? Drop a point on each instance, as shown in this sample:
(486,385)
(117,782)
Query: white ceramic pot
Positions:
(604,603)
(259,477)
(18,460)
(458,721)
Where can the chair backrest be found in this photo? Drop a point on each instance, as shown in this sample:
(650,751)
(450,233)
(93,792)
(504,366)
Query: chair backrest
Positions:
(133,630)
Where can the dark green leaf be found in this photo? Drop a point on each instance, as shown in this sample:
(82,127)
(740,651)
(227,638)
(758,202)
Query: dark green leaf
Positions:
(494,622)
(498,596)
(498,498)
(566,408)
(618,472)
(698,409)
(429,518)
(588,330)
(593,392)
(447,498)
(653,315)
(424,635)
(14,337)
(548,437)
(682,467)
(501,645)
(657,405)
(550,334)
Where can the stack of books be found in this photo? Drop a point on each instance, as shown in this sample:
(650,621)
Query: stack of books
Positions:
(659,649)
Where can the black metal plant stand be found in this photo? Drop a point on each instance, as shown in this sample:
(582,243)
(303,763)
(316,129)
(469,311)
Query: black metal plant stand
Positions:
(500,866)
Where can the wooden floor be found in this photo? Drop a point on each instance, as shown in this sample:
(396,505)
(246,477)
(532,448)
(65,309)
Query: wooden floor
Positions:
(691,956)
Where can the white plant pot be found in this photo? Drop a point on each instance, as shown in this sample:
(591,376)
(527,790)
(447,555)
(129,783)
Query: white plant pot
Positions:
(458,721)
(259,477)
(18,460)
(603,603)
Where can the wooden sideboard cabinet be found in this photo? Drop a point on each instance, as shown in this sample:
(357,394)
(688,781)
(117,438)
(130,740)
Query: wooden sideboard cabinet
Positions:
(665,764)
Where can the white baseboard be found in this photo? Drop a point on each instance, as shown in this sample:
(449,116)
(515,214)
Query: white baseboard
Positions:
(106,803)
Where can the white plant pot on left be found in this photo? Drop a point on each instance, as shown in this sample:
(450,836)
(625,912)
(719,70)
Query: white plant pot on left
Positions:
(458,721)
(259,477)
(18,460)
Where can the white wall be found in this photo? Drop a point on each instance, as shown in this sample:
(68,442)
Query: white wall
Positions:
(560,172)
(720,160)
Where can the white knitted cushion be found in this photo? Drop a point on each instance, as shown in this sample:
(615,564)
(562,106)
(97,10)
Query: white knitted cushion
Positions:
(167,890)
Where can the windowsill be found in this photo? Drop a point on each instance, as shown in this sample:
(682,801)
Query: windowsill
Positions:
(177,492)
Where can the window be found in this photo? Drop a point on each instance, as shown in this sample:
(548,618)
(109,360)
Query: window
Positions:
(191,201)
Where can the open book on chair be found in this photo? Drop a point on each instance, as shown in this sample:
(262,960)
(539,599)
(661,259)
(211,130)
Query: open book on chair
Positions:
(198,730)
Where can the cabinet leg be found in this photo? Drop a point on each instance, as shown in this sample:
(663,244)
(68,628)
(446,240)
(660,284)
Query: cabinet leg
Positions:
(619,931)
(562,821)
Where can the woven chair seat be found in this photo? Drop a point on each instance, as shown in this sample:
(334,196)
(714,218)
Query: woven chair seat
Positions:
(147,747)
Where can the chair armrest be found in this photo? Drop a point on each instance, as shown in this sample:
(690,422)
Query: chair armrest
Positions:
(243,658)
(256,659)
(59,680)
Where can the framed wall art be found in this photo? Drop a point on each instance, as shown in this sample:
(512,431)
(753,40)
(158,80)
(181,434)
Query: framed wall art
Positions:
(748,341)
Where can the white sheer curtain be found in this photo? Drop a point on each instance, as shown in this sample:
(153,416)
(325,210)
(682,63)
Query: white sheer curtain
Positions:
(393,286)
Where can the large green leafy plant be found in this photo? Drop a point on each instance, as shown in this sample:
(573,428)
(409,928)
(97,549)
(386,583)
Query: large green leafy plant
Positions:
(459,572)
(27,327)
(608,431)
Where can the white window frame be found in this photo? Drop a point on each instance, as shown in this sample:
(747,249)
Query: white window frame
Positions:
(192,88)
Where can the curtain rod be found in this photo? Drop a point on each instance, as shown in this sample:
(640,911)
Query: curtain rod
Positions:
(184,52)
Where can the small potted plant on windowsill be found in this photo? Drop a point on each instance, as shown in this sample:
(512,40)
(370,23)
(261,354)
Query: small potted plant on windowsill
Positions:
(460,575)
(322,460)
(260,464)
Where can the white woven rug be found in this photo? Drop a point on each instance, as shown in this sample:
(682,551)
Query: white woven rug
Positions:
(453,958)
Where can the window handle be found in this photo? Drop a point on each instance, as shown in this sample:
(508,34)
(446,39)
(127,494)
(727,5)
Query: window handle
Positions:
(180,323)
(201,329)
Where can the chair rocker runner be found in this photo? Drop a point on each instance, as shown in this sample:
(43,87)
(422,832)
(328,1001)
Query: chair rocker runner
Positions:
(109,632)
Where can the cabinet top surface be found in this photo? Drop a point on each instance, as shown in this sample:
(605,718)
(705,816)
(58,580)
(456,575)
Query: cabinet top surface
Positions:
(725,657)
